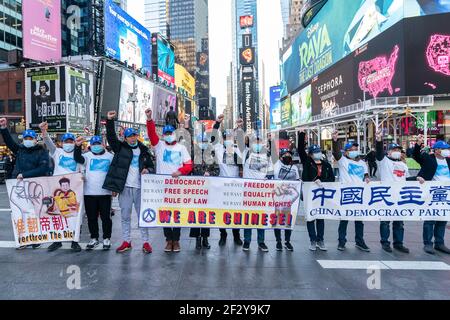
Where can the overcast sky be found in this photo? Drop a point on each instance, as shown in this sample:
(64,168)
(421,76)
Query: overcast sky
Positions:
(270,32)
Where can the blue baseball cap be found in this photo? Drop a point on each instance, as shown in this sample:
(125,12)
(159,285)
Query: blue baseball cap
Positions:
(67,136)
(394,146)
(168,129)
(350,145)
(130,132)
(96,140)
(441,145)
(29,134)
(314,149)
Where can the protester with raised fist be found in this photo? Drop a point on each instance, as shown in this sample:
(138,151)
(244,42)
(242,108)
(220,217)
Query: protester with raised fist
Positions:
(435,167)
(131,160)
(96,199)
(171,158)
(352,169)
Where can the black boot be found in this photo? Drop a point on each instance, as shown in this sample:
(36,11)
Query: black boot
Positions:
(223,240)
(198,243)
(205,243)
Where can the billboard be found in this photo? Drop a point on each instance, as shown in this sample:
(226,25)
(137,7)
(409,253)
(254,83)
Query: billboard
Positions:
(301,106)
(247,56)
(163,99)
(80,99)
(286,112)
(248,100)
(112,79)
(246,21)
(338,30)
(42,30)
(275,108)
(184,81)
(144,94)
(163,60)
(126,109)
(126,39)
(333,89)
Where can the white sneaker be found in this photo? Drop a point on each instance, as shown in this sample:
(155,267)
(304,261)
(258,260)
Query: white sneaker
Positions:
(106,244)
(92,244)
(312,246)
(321,246)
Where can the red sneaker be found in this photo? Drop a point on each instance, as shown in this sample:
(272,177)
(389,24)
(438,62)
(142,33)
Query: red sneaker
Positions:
(147,248)
(124,247)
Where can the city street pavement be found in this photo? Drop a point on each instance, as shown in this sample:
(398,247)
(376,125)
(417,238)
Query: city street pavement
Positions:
(223,272)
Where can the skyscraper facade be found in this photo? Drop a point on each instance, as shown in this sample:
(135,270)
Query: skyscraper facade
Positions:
(156,18)
(10,27)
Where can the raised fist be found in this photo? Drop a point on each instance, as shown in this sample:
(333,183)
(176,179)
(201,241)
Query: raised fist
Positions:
(379,135)
(220,118)
(149,114)
(43,126)
(335,135)
(111,115)
(79,141)
(240,123)
(3,123)
(420,139)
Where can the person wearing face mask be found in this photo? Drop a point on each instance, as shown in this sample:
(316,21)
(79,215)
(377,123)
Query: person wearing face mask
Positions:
(352,169)
(204,165)
(229,158)
(257,165)
(32,159)
(96,199)
(131,160)
(392,169)
(284,169)
(435,167)
(315,169)
(171,158)
(64,163)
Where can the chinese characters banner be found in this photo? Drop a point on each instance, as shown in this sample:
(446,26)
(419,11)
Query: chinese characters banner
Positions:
(213,202)
(378,201)
(46,209)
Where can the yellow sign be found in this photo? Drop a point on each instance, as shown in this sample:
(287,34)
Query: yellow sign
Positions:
(184,80)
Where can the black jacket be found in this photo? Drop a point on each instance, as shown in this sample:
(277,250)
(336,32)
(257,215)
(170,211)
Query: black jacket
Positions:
(116,177)
(371,157)
(310,169)
(427,162)
(172,119)
(30,162)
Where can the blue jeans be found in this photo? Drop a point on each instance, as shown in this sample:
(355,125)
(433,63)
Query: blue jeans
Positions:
(287,235)
(248,235)
(359,232)
(436,228)
(313,235)
(397,232)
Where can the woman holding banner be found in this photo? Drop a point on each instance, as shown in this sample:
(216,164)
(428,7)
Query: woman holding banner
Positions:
(171,158)
(315,169)
(65,163)
(352,169)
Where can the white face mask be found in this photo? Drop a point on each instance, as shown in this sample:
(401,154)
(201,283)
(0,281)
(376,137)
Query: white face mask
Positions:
(396,155)
(445,153)
(317,156)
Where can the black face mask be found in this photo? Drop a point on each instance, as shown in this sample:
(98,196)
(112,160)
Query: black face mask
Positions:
(286,160)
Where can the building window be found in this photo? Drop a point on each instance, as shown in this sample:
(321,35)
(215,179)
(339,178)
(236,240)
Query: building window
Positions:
(18,87)
(15,106)
(2,107)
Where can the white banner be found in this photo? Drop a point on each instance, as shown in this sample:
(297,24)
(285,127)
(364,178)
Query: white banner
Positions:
(46,209)
(378,201)
(214,202)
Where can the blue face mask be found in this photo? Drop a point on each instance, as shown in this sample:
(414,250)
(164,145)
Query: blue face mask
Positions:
(134,145)
(29,143)
(68,147)
(97,148)
(353,154)
(257,148)
(228,143)
(169,139)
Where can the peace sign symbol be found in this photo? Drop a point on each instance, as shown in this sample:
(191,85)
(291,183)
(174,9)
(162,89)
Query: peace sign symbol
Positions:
(149,215)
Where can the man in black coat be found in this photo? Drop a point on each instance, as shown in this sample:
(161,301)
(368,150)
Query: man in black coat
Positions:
(172,118)
(435,167)
(315,169)
(131,160)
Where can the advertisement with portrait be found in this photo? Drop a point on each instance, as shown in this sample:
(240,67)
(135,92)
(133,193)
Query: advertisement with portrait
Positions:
(144,94)
(333,89)
(46,97)
(126,96)
(163,100)
(163,60)
(275,108)
(379,66)
(301,106)
(337,30)
(126,39)
(80,100)
(428,57)
(286,112)
(41,30)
